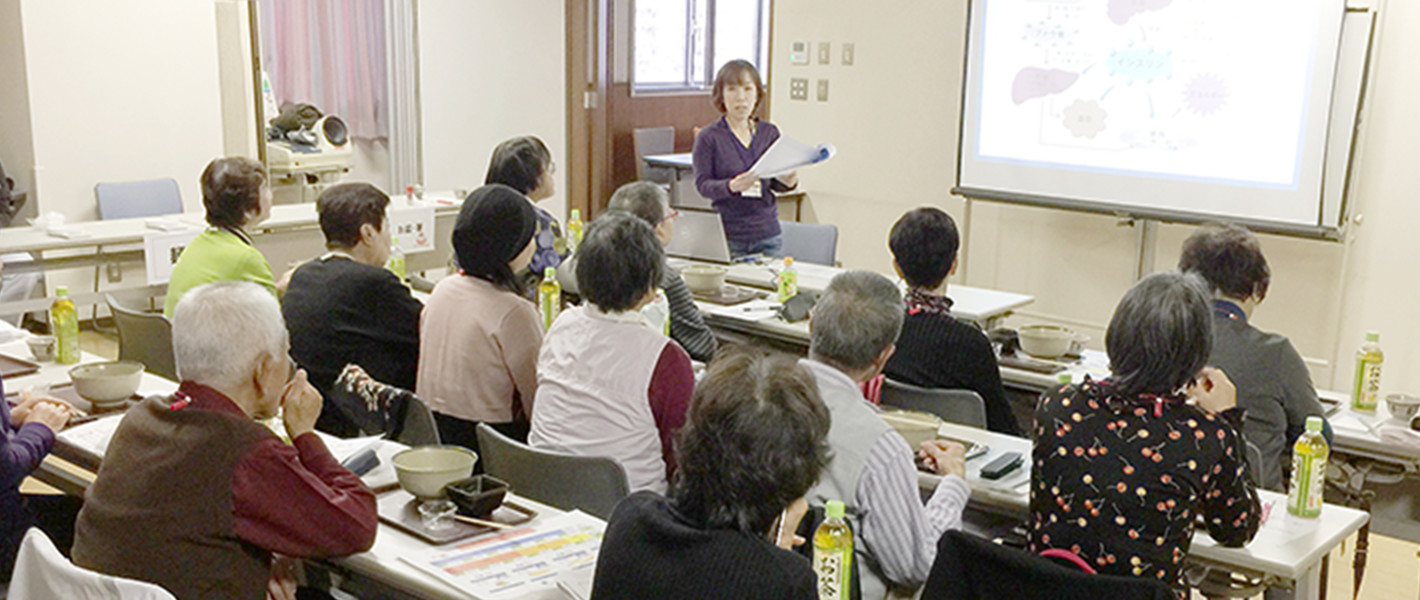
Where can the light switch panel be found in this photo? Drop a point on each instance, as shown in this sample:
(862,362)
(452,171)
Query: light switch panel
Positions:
(847,54)
(825,53)
(823,90)
(799,88)
(799,53)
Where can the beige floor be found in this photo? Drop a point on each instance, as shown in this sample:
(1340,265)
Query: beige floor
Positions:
(1392,570)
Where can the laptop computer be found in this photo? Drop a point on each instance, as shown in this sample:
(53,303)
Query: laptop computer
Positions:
(699,236)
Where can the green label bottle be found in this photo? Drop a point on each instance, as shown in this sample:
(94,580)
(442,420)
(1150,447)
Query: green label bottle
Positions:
(64,321)
(1367,386)
(395,263)
(788,280)
(833,554)
(549,296)
(1309,454)
(574,230)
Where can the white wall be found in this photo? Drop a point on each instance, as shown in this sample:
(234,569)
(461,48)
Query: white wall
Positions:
(893,116)
(16,136)
(120,91)
(490,70)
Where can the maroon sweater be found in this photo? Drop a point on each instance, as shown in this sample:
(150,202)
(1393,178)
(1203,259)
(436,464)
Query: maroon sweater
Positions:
(195,498)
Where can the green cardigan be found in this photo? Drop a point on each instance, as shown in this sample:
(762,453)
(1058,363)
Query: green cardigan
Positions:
(216,255)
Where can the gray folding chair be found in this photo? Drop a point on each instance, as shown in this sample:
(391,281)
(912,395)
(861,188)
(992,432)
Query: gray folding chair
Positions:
(130,200)
(810,243)
(417,427)
(593,484)
(964,407)
(649,141)
(145,337)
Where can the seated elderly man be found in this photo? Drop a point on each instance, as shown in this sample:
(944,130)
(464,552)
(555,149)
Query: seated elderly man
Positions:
(194,493)
(1273,383)
(852,332)
(652,204)
(608,384)
(345,307)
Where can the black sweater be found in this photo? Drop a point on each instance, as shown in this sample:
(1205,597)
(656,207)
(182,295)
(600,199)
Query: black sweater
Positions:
(936,350)
(339,311)
(650,551)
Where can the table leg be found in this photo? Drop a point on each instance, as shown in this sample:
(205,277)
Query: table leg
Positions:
(1309,585)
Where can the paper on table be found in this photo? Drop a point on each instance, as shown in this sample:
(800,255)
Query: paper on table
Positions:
(754,310)
(93,436)
(514,563)
(787,154)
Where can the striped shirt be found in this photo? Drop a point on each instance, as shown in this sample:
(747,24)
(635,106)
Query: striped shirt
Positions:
(687,326)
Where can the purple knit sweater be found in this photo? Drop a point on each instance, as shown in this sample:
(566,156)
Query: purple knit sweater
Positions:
(718,158)
(23,449)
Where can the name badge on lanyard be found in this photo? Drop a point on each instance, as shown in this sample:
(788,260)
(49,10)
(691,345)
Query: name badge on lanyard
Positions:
(755,190)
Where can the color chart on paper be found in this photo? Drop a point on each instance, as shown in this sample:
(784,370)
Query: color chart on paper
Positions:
(514,562)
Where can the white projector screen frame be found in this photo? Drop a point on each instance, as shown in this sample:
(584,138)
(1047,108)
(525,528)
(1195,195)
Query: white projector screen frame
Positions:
(1181,85)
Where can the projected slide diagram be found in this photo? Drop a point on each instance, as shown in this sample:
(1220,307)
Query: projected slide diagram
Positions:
(1198,89)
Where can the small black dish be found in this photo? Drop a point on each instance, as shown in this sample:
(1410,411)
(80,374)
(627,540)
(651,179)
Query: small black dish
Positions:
(477,496)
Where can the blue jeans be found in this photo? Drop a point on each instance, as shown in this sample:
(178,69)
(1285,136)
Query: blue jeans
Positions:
(772,246)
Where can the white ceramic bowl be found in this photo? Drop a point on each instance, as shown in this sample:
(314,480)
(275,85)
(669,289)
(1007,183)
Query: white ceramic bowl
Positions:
(1402,406)
(424,471)
(1046,341)
(107,382)
(916,426)
(704,278)
(42,347)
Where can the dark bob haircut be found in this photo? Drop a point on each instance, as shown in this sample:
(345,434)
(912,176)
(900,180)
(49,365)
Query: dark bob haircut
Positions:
(733,72)
(620,260)
(925,242)
(1161,334)
(231,189)
(494,226)
(644,199)
(519,163)
(1229,258)
(755,440)
(345,207)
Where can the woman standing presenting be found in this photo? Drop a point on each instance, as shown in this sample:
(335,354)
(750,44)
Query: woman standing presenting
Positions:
(724,152)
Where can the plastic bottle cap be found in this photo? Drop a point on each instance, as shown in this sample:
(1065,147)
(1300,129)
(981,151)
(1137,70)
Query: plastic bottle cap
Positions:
(1314,424)
(61,290)
(788,260)
(1065,378)
(576,214)
(549,272)
(834,509)
(1373,336)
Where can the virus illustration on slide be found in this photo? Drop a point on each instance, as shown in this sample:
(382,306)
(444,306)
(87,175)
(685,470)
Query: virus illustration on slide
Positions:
(1085,118)
(1205,94)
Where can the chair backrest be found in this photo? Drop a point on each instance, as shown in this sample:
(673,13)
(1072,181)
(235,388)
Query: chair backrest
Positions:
(592,484)
(964,407)
(145,337)
(810,242)
(417,426)
(649,141)
(42,572)
(973,568)
(129,199)
(1254,460)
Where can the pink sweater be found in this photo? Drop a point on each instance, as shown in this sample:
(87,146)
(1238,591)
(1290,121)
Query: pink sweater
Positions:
(478,348)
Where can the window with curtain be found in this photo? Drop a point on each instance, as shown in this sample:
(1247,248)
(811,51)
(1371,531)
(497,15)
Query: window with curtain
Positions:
(331,54)
(678,45)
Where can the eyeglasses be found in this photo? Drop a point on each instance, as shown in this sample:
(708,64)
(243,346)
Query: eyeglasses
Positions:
(291,373)
(671,215)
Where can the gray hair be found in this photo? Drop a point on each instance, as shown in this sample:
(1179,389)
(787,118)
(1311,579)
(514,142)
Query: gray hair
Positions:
(222,330)
(1161,334)
(645,199)
(858,316)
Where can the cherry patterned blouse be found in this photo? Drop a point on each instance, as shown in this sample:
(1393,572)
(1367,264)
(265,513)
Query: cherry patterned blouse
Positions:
(1120,481)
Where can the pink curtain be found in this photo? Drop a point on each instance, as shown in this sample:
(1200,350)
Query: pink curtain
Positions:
(329,53)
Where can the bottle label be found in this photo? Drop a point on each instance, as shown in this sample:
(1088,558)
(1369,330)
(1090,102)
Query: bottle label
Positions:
(1368,384)
(832,567)
(788,285)
(551,307)
(1305,495)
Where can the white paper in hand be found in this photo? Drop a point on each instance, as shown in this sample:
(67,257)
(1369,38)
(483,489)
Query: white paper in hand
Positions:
(787,154)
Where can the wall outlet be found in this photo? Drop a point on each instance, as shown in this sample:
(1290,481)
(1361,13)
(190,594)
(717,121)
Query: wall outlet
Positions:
(847,54)
(823,90)
(799,88)
(825,53)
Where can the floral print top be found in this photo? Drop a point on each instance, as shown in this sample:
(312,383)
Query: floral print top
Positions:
(1120,481)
